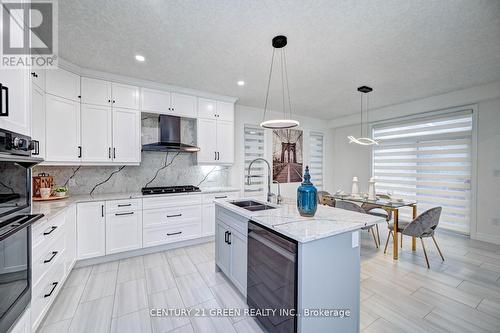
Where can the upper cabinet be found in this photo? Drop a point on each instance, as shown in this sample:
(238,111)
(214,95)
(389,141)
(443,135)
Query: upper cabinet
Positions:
(125,96)
(15,100)
(38,77)
(59,82)
(210,109)
(157,101)
(105,93)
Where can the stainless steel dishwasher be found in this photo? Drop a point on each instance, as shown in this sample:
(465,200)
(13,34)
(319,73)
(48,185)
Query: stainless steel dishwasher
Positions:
(272,278)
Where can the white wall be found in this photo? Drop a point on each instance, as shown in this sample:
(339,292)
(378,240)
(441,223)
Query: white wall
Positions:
(349,161)
(253,116)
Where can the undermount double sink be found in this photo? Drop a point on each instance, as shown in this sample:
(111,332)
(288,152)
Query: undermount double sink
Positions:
(252,206)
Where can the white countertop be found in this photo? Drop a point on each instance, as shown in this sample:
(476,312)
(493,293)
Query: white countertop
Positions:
(285,219)
(52,208)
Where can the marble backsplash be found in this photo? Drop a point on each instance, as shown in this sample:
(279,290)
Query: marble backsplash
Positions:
(182,171)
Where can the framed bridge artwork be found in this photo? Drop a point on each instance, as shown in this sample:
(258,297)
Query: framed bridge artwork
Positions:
(287,155)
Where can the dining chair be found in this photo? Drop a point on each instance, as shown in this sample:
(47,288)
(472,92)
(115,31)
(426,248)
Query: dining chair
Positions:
(325,198)
(347,205)
(422,226)
(375,210)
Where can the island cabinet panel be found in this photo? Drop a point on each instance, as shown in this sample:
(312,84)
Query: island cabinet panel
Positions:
(238,243)
(223,249)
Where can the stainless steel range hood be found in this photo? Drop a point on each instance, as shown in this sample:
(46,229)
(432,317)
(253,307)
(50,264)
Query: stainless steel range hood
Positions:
(170,137)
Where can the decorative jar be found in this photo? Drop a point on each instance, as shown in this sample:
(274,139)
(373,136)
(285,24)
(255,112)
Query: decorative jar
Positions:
(307,196)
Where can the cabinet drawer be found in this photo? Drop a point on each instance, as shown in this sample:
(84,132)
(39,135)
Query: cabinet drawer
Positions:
(128,205)
(46,231)
(171,201)
(45,258)
(171,216)
(156,235)
(210,197)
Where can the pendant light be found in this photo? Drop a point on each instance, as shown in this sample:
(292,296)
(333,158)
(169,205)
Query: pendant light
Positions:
(364,141)
(279,43)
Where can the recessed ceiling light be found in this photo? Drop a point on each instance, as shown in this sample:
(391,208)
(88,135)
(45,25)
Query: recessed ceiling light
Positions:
(140,58)
(241,83)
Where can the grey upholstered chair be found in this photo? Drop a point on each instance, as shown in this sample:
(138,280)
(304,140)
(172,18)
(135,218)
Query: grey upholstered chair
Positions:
(355,208)
(422,226)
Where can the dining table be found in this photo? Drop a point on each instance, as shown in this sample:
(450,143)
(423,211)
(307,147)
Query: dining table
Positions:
(390,206)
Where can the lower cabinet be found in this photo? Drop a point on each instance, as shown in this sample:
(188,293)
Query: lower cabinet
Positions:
(70,238)
(123,231)
(91,229)
(223,249)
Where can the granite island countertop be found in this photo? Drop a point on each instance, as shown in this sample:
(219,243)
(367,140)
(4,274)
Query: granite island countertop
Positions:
(285,219)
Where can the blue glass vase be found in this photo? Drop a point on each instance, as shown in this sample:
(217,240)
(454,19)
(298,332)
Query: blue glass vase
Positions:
(307,196)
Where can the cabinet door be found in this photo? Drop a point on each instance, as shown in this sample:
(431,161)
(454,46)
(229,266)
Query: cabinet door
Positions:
(59,82)
(16,88)
(96,133)
(125,96)
(239,260)
(91,229)
(70,238)
(97,92)
(62,130)
(184,105)
(225,111)
(223,249)
(207,108)
(208,220)
(225,142)
(155,101)
(123,231)
(207,141)
(38,118)
(38,77)
(126,136)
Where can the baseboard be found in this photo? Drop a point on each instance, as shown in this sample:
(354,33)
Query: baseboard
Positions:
(495,239)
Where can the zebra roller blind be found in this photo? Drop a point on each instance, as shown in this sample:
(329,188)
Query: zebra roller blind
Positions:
(316,159)
(428,160)
(254,148)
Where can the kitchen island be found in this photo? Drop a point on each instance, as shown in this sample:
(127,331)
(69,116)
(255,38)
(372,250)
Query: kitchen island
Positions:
(298,274)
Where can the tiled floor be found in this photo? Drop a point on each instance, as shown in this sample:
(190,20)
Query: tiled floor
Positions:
(460,295)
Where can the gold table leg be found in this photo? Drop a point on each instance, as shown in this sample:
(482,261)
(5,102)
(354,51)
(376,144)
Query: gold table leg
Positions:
(414,239)
(395,233)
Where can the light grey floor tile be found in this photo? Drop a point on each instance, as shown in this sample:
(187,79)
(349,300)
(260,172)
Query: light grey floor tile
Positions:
(168,299)
(248,325)
(135,322)
(59,327)
(99,285)
(199,254)
(105,267)
(78,277)
(211,324)
(93,316)
(65,304)
(229,298)
(130,269)
(159,278)
(193,289)
(381,326)
(130,297)
(174,253)
(154,260)
(182,265)
(209,275)
(183,329)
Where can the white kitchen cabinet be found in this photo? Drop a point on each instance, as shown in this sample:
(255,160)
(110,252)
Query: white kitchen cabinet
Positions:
(96,92)
(211,109)
(15,86)
(155,101)
(223,248)
(125,96)
(62,131)
(225,111)
(59,82)
(126,135)
(123,231)
(38,119)
(38,77)
(91,228)
(208,220)
(96,127)
(70,238)
(238,244)
(183,105)
(216,141)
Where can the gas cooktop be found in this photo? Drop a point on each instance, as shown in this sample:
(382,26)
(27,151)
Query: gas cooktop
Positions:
(169,189)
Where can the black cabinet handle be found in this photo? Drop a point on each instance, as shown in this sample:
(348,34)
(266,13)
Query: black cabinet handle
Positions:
(109,101)
(109,152)
(113,101)
(176,215)
(175,233)
(51,230)
(4,113)
(125,205)
(215,156)
(36,147)
(218,156)
(127,213)
(229,237)
(50,259)
(54,285)
(114,152)
(79,151)
(221,197)
(225,237)
(102,210)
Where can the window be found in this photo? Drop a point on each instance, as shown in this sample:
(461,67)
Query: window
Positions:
(428,160)
(316,159)
(254,148)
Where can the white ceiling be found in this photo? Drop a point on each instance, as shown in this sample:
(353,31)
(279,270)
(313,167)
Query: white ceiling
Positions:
(404,49)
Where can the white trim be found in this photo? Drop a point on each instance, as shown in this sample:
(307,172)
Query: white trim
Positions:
(486,238)
(474,157)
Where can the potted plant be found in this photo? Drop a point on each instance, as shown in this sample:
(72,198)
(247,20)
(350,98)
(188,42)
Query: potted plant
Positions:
(61,191)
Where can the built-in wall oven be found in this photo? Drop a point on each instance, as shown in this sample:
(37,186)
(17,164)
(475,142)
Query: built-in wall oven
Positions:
(272,278)
(15,223)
